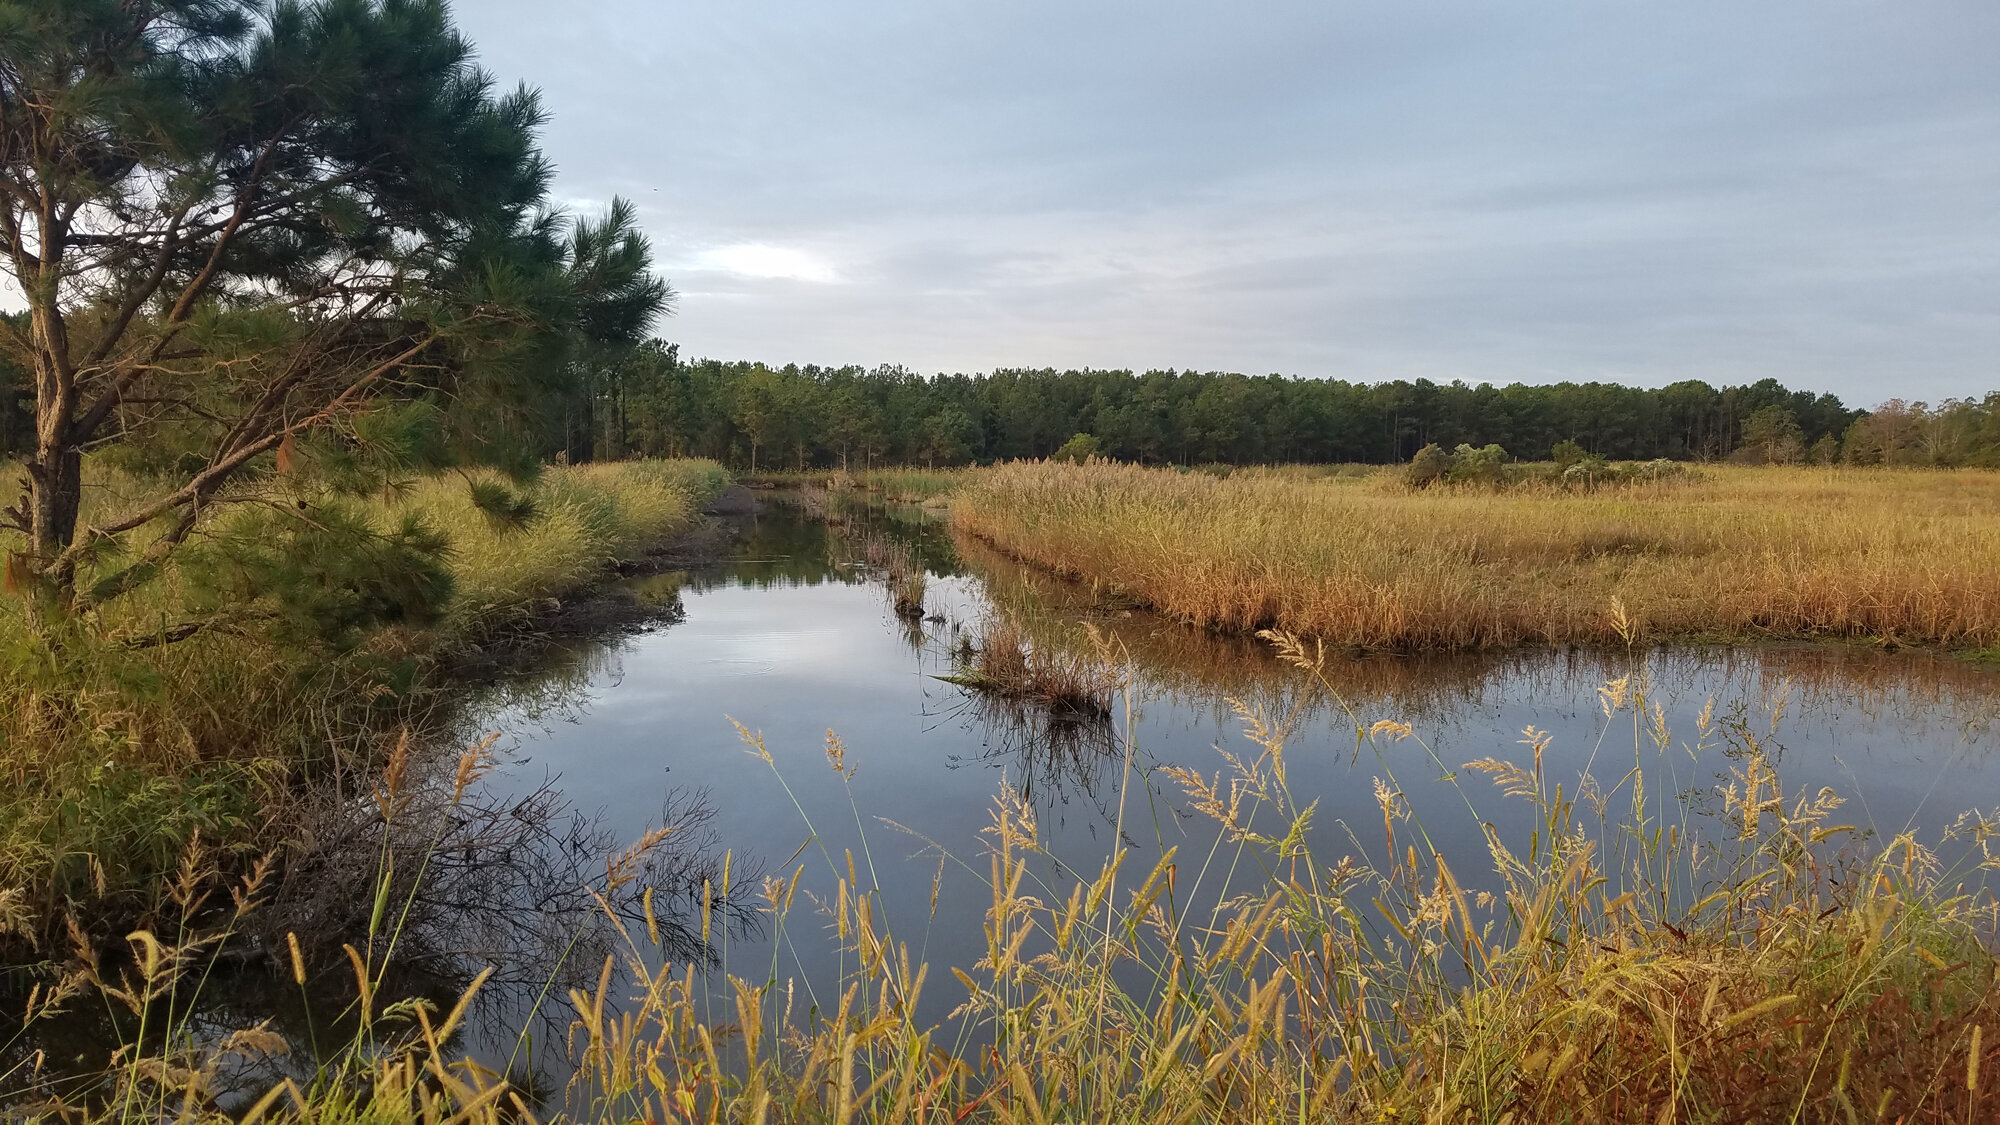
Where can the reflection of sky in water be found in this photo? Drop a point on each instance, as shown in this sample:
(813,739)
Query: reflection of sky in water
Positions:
(1906,737)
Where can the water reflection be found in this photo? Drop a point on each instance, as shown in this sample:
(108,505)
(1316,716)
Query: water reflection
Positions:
(797,636)
(1200,668)
(1050,757)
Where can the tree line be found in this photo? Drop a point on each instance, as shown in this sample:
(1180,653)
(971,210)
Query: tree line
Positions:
(652,402)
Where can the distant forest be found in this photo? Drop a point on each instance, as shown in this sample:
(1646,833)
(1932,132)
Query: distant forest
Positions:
(650,402)
(653,403)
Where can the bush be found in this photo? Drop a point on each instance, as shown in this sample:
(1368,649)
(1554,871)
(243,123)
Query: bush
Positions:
(1464,465)
(1483,466)
(294,632)
(1081,447)
(1431,465)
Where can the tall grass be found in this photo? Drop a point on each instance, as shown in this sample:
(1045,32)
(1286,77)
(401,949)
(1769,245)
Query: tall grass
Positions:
(1628,961)
(1631,958)
(363,1038)
(112,757)
(912,486)
(587,519)
(1741,552)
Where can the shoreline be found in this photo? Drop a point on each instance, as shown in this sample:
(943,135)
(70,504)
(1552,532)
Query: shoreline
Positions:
(606,605)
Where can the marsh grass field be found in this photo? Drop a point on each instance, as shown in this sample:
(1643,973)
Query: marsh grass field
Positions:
(1726,553)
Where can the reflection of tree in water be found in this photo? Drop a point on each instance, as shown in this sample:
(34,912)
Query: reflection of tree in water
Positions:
(923,532)
(780,546)
(549,672)
(823,541)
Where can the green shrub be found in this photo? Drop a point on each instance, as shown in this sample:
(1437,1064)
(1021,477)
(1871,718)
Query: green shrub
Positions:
(1430,466)
(302,625)
(1464,465)
(1080,447)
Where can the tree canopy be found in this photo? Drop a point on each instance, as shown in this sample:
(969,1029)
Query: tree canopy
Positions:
(257,238)
(653,402)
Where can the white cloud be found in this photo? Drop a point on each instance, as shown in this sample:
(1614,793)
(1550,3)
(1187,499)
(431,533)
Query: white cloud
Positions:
(756,259)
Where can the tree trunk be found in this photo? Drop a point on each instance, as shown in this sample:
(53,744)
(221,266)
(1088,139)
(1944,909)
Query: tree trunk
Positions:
(581,440)
(55,473)
(55,479)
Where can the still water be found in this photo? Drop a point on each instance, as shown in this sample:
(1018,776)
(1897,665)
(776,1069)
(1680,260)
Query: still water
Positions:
(795,638)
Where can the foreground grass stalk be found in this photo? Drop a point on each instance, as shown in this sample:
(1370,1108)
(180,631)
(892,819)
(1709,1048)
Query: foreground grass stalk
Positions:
(1767,965)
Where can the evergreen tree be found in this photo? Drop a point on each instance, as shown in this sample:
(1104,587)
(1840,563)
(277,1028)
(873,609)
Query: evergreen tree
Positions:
(237,225)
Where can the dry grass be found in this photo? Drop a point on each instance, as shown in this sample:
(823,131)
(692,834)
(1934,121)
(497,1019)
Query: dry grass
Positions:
(587,519)
(897,486)
(902,573)
(1066,680)
(1903,557)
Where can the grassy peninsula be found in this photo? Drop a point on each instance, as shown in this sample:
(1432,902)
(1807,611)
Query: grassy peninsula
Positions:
(1720,552)
(120,749)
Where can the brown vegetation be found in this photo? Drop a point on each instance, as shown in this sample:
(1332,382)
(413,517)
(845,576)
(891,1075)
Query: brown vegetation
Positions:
(1898,557)
(1632,961)
(1005,663)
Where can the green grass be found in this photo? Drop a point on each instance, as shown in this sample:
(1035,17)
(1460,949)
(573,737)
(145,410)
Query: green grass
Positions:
(113,758)
(587,518)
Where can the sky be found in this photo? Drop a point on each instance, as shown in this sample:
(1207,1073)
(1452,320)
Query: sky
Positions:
(1495,192)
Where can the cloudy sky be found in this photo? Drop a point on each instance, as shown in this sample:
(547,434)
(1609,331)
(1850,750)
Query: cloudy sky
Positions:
(1520,191)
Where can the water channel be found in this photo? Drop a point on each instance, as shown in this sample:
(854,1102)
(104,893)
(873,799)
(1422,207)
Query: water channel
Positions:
(795,638)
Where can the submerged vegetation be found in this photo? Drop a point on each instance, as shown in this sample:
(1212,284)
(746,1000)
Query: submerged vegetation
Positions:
(903,574)
(1737,552)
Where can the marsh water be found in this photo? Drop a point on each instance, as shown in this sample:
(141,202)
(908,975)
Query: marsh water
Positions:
(795,637)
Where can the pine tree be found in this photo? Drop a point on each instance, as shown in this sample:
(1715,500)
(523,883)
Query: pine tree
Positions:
(240,225)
